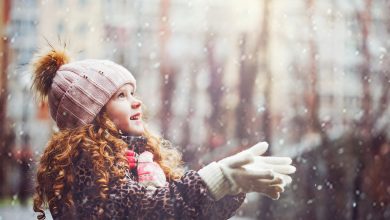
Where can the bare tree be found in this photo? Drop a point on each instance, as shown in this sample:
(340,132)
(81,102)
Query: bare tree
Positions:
(261,53)
(244,110)
(216,124)
(4,45)
(167,70)
(253,60)
(363,18)
(186,135)
(312,96)
(371,138)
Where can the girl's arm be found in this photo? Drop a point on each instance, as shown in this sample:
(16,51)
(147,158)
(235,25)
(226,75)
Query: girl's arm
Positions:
(187,198)
(227,203)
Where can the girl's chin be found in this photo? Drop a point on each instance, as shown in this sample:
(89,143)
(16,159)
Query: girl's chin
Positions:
(139,130)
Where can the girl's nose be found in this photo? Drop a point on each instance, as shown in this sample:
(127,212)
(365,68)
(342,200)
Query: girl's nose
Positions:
(136,104)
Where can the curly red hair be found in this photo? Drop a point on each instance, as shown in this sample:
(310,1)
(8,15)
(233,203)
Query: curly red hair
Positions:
(100,140)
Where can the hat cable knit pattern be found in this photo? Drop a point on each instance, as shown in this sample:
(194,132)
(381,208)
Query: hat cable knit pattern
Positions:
(80,90)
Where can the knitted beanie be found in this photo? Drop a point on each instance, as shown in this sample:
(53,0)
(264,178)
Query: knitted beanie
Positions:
(77,91)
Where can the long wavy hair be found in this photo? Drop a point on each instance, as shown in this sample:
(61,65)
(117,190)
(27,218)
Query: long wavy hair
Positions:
(100,140)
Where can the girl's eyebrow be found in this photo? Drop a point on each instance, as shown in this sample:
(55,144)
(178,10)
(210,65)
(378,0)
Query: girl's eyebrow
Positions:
(133,86)
(123,89)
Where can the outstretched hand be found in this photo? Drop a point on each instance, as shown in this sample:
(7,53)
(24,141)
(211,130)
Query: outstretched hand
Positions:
(248,171)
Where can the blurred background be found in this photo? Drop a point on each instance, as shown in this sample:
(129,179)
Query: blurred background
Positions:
(310,77)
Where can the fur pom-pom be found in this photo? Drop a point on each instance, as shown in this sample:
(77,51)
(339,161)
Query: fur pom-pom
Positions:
(45,68)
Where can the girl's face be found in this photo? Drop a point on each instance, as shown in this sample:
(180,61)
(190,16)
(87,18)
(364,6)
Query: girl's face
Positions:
(125,111)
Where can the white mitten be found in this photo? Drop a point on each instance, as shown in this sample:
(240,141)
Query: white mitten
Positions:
(281,167)
(247,172)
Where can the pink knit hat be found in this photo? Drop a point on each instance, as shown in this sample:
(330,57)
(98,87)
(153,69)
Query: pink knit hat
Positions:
(77,91)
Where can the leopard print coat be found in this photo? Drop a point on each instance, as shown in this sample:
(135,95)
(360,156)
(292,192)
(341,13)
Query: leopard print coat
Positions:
(187,198)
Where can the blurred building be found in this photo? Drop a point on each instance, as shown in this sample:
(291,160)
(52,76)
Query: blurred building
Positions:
(76,23)
(21,34)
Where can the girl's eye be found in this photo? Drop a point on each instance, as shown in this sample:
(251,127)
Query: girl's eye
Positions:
(132,93)
(121,95)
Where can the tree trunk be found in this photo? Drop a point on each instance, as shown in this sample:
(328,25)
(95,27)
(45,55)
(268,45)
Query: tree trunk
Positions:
(168,73)
(4,45)
(365,129)
(216,125)
(244,112)
(262,55)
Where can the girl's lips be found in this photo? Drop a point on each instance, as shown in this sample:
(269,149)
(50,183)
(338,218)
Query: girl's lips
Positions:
(136,116)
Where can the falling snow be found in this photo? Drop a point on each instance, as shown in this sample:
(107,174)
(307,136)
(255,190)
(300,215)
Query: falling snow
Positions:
(312,82)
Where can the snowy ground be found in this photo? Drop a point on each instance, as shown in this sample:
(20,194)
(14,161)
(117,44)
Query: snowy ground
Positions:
(16,212)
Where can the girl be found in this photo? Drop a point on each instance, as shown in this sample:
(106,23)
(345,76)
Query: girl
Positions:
(104,163)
